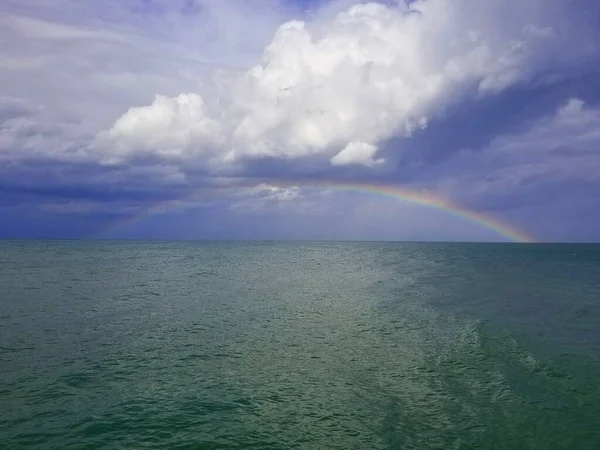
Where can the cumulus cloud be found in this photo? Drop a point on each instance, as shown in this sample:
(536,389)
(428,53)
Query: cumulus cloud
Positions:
(337,88)
(167,127)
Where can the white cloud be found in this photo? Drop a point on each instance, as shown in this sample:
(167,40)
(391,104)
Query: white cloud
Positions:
(167,127)
(357,153)
(263,196)
(365,75)
(268,192)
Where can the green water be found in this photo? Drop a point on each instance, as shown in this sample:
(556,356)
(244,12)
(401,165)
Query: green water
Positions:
(299,345)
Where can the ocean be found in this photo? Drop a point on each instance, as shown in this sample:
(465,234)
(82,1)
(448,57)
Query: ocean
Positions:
(273,345)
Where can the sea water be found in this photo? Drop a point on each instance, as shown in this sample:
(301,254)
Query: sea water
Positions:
(271,345)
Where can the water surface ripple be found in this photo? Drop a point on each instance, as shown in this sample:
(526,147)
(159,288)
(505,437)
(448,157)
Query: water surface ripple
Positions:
(299,345)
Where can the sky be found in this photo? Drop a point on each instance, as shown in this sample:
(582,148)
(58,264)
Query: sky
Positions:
(286,119)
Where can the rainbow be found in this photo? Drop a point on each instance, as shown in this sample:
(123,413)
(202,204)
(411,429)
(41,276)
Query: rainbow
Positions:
(436,202)
(423,198)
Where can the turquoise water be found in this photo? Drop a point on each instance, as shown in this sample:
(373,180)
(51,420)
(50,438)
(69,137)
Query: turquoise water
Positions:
(299,345)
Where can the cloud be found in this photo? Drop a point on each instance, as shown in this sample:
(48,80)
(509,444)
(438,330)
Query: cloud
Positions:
(108,108)
(366,75)
(68,69)
(264,197)
(554,155)
(94,60)
(357,153)
(268,192)
(168,127)
(29,131)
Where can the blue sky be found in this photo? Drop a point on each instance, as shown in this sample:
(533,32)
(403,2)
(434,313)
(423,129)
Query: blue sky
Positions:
(204,119)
